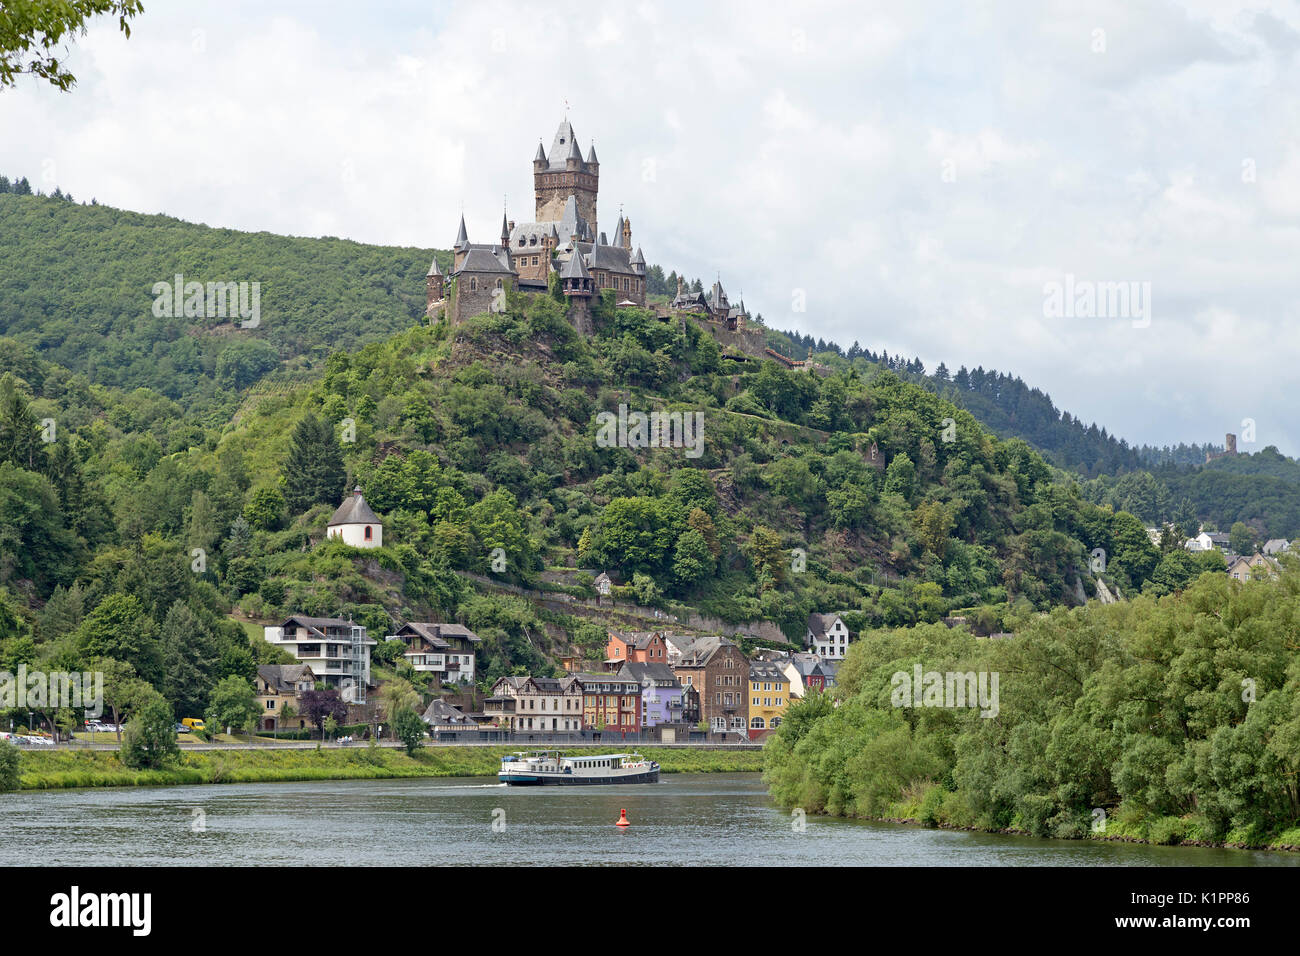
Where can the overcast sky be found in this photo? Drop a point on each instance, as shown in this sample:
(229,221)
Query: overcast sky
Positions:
(916,175)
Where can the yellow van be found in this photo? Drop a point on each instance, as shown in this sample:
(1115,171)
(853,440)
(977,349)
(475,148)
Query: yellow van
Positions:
(193,723)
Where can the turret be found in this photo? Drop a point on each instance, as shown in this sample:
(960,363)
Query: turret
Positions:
(460,248)
(433,283)
(539,160)
(626,233)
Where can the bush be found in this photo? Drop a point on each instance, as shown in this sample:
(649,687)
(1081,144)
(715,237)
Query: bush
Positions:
(9,760)
(149,741)
(409,729)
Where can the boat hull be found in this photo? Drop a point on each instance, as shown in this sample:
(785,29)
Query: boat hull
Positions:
(575,779)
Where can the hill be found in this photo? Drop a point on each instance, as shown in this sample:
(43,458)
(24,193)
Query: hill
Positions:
(77,281)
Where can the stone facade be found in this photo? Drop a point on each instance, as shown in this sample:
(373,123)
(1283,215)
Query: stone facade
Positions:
(526,255)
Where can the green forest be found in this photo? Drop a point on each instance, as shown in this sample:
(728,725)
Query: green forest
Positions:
(1173,719)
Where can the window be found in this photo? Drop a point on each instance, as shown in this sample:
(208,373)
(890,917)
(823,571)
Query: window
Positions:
(473,285)
(756,723)
(369,533)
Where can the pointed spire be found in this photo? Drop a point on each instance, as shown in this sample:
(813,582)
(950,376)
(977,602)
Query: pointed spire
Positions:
(591,154)
(462,239)
(433,269)
(541,153)
(505,228)
(574,152)
(575,268)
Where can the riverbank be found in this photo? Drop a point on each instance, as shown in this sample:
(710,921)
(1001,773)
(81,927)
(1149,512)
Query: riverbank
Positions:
(1151,831)
(56,770)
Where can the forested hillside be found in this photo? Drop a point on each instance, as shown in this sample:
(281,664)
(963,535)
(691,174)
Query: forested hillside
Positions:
(76,284)
(484,437)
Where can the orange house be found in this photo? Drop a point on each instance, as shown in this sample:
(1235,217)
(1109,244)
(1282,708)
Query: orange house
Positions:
(644,648)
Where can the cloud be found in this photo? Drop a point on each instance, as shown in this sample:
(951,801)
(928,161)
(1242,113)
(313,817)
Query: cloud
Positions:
(918,172)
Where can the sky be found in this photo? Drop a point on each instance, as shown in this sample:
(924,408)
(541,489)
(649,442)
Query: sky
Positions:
(946,180)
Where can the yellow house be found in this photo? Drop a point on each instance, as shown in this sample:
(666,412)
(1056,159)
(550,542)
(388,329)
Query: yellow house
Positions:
(769,696)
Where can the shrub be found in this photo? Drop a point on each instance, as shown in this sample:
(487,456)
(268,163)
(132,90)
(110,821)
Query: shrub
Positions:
(9,761)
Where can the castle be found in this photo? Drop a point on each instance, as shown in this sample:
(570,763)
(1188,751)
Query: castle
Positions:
(564,244)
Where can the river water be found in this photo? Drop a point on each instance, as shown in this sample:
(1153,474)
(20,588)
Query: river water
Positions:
(686,819)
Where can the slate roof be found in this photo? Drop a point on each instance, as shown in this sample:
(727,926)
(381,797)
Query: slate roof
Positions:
(661,675)
(493,261)
(282,678)
(819,623)
(576,268)
(766,670)
(354,511)
(436,634)
(639,640)
(698,651)
(439,712)
(433,269)
(608,258)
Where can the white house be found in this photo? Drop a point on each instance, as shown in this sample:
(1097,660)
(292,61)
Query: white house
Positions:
(1276,546)
(356,524)
(337,651)
(1208,541)
(828,636)
(446,650)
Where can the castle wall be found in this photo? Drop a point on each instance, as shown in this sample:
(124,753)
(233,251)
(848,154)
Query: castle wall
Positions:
(467,300)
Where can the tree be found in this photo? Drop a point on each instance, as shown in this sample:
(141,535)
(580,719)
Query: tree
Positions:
(319,705)
(20,432)
(150,738)
(189,658)
(10,761)
(35,30)
(265,511)
(396,696)
(1241,538)
(313,470)
(233,704)
(408,727)
(693,562)
(120,628)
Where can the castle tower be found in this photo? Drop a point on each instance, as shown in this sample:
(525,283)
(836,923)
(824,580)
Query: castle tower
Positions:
(625,233)
(433,285)
(565,174)
(578,288)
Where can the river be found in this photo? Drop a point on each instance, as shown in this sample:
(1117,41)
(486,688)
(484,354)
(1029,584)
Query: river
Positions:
(686,819)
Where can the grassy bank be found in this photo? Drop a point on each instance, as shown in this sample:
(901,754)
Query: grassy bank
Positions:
(45,770)
(933,807)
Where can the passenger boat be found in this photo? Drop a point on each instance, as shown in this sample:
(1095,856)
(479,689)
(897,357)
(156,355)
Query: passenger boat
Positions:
(533,768)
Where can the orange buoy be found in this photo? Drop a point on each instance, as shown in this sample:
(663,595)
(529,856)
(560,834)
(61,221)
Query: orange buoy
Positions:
(622,819)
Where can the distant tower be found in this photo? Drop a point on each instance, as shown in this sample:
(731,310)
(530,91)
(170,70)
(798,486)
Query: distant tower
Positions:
(625,233)
(563,175)
(1229,444)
